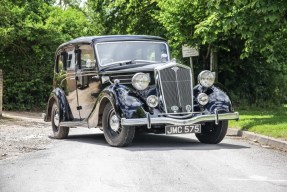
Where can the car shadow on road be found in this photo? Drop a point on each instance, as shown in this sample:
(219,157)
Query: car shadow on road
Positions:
(153,142)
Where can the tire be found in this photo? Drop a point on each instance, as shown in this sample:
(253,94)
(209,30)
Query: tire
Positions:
(211,133)
(59,132)
(115,134)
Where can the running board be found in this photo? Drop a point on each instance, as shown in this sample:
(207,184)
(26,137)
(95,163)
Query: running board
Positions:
(74,124)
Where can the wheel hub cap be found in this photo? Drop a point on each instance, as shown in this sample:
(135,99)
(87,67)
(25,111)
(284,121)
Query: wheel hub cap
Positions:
(114,123)
(56,119)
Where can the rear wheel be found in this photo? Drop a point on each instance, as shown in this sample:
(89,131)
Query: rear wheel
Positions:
(59,132)
(115,134)
(212,133)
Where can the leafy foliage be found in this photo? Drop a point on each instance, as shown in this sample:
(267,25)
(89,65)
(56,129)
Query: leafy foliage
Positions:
(250,37)
(31,32)
(125,16)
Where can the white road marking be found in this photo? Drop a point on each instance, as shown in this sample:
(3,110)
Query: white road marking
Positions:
(258,178)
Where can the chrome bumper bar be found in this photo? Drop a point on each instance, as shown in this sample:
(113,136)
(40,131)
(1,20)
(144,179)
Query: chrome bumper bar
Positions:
(167,120)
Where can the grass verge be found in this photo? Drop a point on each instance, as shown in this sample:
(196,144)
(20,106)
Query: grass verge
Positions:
(269,122)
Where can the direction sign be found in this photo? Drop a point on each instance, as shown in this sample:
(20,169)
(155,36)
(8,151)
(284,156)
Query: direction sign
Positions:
(189,51)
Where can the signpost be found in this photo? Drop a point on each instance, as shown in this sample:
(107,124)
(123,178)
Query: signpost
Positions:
(190,52)
(1,92)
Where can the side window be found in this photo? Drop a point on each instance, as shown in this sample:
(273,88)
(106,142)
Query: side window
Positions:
(87,57)
(59,64)
(71,59)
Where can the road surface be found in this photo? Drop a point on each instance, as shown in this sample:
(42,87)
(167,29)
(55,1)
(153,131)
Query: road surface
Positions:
(154,163)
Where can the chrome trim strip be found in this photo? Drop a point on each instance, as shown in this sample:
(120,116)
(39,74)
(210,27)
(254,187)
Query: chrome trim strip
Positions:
(216,117)
(148,119)
(191,88)
(122,75)
(162,93)
(122,79)
(86,74)
(186,113)
(178,94)
(82,72)
(166,120)
(158,69)
(165,65)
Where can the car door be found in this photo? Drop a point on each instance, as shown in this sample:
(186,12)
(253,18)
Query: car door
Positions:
(87,80)
(70,83)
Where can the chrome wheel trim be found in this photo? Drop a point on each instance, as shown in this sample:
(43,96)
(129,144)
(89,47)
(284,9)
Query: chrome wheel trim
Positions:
(57,119)
(114,122)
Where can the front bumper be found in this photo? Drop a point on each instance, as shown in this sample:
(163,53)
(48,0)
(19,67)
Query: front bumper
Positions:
(171,121)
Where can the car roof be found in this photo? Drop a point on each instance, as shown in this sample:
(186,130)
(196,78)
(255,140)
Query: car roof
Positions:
(111,38)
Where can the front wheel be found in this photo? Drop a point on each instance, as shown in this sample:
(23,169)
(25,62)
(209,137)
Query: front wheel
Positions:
(212,133)
(115,134)
(59,132)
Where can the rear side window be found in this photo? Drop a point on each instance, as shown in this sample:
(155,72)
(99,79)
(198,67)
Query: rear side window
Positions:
(71,60)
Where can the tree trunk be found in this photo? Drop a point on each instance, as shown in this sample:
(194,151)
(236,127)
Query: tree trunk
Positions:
(1,92)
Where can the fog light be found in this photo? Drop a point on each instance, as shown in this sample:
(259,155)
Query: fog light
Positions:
(152,101)
(202,99)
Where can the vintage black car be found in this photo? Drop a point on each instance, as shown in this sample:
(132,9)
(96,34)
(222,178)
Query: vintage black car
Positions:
(128,83)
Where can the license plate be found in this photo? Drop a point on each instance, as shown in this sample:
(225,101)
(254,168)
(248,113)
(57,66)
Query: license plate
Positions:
(182,129)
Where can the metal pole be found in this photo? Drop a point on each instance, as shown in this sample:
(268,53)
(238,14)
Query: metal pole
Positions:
(1,92)
(214,63)
(192,72)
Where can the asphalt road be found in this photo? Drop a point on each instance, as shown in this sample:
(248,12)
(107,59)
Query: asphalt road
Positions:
(84,162)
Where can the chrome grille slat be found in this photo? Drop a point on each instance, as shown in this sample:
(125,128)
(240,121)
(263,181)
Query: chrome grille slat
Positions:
(176,87)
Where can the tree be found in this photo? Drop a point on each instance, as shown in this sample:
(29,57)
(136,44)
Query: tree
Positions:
(31,31)
(126,16)
(249,34)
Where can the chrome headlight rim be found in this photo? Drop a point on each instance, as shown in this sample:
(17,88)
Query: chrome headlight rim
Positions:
(140,81)
(152,101)
(206,78)
(202,99)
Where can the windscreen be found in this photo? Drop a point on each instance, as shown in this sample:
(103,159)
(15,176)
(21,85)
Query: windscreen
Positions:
(111,52)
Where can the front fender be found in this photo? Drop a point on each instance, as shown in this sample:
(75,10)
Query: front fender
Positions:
(218,100)
(124,100)
(58,96)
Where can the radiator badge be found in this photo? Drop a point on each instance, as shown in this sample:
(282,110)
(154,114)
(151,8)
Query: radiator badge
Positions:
(188,108)
(174,108)
(175,69)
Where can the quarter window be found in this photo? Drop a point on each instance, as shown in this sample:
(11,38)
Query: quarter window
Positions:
(71,60)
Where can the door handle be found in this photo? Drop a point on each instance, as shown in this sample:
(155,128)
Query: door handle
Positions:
(72,78)
(95,77)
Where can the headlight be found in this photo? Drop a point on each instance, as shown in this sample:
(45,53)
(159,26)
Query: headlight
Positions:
(152,101)
(140,81)
(202,99)
(206,78)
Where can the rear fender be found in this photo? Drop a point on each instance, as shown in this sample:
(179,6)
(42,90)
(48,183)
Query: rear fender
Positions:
(58,96)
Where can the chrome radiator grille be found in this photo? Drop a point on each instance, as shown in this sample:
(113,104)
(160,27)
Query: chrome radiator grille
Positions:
(176,88)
